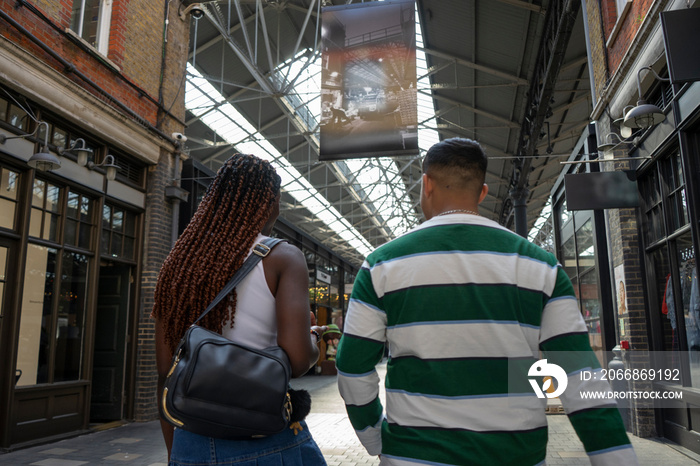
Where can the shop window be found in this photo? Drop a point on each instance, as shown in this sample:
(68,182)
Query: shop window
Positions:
(70,323)
(677,203)
(18,118)
(321,291)
(589,297)
(653,227)
(59,137)
(53,309)
(3,109)
(45,214)
(689,302)
(334,285)
(52,325)
(347,289)
(90,19)
(9,181)
(78,231)
(118,232)
(670,256)
(568,258)
(564,214)
(663,296)
(577,255)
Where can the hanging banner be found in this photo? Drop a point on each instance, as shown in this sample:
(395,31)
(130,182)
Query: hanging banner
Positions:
(368,89)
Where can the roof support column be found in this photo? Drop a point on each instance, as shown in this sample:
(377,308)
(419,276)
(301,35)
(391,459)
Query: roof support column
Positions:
(519,196)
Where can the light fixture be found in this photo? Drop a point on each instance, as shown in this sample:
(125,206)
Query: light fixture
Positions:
(109,166)
(82,152)
(625,131)
(608,146)
(644,115)
(42,160)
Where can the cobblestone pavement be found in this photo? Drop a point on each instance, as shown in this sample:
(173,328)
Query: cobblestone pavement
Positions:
(141,443)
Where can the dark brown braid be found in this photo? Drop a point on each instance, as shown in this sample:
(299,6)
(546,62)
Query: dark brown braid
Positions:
(214,245)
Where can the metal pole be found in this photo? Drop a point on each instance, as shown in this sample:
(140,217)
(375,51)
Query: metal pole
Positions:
(519,196)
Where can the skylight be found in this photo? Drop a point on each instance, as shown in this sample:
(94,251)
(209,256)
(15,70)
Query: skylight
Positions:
(376,180)
(233,127)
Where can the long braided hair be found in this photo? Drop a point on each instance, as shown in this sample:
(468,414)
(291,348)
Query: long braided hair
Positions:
(214,245)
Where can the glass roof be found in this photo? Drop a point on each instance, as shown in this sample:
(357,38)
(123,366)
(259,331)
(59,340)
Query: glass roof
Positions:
(377,181)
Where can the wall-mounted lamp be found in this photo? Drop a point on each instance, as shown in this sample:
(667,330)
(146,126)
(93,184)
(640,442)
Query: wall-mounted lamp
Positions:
(644,115)
(82,151)
(607,147)
(42,160)
(108,164)
(625,131)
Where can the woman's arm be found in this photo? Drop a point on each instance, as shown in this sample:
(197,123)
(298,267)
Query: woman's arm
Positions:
(288,279)
(163,360)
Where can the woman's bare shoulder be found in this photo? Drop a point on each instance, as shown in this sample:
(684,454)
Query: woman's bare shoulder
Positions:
(287,255)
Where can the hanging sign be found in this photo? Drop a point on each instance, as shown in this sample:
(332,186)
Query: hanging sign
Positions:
(368,81)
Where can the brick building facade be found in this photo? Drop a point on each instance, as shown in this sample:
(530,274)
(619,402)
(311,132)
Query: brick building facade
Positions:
(651,247)
(109,73)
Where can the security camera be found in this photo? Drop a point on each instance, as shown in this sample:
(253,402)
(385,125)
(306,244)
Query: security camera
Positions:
(179,137)
(196,10)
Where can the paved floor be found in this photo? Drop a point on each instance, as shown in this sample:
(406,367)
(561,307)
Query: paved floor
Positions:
(141,443)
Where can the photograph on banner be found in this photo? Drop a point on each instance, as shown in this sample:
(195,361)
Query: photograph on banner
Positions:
(368,81)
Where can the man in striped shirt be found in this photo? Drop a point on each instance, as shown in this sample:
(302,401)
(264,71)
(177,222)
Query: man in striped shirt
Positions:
(465,307)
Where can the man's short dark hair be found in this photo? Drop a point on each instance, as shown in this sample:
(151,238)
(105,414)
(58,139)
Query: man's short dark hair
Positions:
(459,156)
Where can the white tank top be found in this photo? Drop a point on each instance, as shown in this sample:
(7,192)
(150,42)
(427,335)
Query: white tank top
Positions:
(255,320)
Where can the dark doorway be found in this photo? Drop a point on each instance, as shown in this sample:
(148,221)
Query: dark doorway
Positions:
(110,342)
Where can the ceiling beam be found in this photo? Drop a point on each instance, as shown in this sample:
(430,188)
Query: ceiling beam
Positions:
(478,111)
(556,34)
(470,64)
(219,38)
(526,5)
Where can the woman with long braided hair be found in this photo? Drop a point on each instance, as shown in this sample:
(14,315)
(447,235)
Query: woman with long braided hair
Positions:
(269,307)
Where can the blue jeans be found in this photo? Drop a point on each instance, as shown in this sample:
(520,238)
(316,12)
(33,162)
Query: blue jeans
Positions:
(288,448)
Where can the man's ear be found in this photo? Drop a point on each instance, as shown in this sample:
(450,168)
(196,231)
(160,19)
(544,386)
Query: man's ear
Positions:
(428,184)
(484,192)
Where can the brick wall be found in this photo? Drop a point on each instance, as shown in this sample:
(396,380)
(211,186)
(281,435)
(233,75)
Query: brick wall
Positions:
(135,47)
(598,58)
(156,248)
(631,23)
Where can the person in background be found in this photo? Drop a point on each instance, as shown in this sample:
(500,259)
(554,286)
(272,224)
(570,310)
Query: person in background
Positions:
(465,307)
(269,307)
(332,338)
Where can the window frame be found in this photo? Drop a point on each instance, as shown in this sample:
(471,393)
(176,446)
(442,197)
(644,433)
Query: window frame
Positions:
(104,21)
(622,7)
